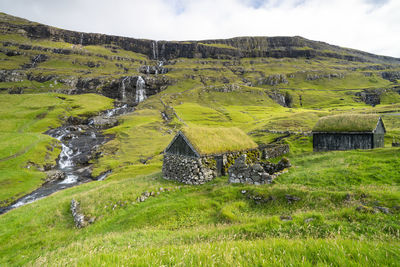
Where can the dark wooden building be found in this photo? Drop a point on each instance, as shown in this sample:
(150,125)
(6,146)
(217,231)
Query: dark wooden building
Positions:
(349,131)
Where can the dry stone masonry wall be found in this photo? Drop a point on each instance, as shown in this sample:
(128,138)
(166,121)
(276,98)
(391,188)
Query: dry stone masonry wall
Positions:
(258,173)
(189,170)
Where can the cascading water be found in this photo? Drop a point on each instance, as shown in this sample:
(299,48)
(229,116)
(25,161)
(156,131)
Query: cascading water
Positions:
(35,60)
(140,90)
(155,50)
(123,88)
(81,41)
(77,147)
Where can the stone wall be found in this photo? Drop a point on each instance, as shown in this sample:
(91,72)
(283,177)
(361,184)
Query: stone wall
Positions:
(273,151)
(228,159)
(258,173)
(189,170)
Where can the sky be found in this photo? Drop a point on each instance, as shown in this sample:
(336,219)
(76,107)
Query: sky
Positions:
(368,25)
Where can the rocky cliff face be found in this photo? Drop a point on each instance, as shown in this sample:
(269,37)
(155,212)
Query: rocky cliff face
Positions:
(276,47)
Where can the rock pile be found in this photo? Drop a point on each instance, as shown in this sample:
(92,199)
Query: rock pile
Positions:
(80,219)
(258,173)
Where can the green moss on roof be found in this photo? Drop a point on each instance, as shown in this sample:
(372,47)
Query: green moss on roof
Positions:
(218,140)
(347,123)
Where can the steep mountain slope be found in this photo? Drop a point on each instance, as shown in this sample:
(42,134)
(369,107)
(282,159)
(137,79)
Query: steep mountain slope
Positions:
(275,89)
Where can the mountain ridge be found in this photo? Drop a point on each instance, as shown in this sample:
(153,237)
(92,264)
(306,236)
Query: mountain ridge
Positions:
(236,47)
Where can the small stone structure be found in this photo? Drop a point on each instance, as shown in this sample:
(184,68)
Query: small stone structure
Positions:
(190,161)
(349,131)
(258,173)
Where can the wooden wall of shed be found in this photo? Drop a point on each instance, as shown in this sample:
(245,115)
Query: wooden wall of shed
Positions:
(180,147)
(379,140)
(342,141)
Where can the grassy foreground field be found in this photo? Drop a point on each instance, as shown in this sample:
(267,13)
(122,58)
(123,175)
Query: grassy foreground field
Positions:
(216,223)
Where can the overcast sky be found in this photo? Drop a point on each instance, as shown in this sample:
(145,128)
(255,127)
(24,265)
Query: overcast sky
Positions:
(368,25)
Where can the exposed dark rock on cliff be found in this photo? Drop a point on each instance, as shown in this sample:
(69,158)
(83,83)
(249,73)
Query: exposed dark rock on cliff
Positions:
(276,47)
(274,79)
(391,75)
(370,97)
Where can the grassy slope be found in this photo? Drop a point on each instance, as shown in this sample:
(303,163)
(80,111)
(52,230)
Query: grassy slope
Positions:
(213,223)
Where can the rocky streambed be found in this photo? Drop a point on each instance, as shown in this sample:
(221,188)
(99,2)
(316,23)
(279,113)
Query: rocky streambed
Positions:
(80,140)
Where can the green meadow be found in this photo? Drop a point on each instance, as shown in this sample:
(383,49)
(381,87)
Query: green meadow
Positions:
(346,206)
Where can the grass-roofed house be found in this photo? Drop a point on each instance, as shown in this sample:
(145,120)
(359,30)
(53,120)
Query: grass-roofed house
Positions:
(197,155)
(349,131)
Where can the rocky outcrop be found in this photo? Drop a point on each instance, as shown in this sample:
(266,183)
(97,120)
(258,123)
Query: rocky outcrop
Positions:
(274,80)
(54,175)
(312,77)
(370,97)
(12,76)
(102,122)
(392,76)
(283,99)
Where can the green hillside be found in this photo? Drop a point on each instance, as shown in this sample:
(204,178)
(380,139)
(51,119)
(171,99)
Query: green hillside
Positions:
(338,208)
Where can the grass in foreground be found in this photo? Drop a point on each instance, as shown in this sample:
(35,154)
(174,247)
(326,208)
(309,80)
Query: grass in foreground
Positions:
(217,223)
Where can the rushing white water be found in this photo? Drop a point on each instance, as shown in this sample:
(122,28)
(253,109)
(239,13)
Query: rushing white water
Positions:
(65,157)
(123,88)
(26,200)
(81,42)
(155,49)
(70,179)
(116,111)
(140,90)
(35,60)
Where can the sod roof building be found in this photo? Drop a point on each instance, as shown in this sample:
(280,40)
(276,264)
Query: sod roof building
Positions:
(349,131)
(198,155)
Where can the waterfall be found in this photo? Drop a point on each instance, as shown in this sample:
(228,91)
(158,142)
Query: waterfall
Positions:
(81,41)
(140,90)
(35,60)
(123,89)
(155,49)
(65,157)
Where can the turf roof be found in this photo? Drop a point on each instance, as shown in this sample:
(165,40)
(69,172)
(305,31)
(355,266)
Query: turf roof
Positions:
(347,123)
(208,141)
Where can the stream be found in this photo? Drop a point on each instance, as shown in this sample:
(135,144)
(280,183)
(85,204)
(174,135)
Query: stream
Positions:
(78,146)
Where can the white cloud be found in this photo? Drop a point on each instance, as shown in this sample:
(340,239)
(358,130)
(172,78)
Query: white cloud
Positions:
(369,25)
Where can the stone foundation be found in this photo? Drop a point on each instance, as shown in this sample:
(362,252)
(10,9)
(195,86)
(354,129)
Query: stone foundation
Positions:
(240,172)
(258,173)
(189,170)
(273,151)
